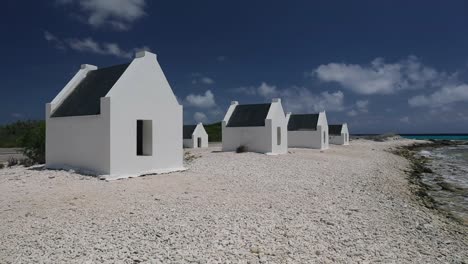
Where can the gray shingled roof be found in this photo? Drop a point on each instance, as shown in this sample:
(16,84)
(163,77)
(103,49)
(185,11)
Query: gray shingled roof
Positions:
(303,122)
(334,129)
(85,98)
(249,115)
(188,131)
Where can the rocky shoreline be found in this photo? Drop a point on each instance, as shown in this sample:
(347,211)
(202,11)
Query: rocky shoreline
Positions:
(421,166)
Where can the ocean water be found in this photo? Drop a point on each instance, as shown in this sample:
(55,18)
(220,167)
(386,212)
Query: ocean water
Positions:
(436,136)
(449,181)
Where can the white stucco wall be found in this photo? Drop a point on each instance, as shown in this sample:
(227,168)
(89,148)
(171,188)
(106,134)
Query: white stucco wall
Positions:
(198,132)
(143,93)
(342,139)
(277,119)
(187,143)
(106,143)
(79,142)
(262,139)
(315,139)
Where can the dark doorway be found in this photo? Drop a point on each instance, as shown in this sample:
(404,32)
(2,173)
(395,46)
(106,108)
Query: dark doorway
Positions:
(199,142)
(139,137)
(144,138)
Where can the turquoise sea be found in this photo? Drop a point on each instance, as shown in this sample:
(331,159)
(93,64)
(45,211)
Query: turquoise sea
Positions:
(436,136)
(448,181)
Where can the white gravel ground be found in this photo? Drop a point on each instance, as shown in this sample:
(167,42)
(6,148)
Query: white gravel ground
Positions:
(346,204)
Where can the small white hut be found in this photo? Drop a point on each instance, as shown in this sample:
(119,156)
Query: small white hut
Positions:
(339,134)
(308,131)
(119,121)
(195,136)
(258,127)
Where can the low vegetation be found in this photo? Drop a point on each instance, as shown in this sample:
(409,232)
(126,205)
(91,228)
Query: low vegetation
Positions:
(12,162)
(241,149)
(214,132)
(28,135)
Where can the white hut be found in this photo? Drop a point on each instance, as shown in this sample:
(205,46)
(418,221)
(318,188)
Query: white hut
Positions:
(258,127)
(118,121)
(308,131)
(339,134)
(195,136)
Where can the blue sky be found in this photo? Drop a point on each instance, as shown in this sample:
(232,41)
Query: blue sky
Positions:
(381,66)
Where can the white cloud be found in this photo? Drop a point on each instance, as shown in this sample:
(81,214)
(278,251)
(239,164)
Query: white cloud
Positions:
(202,101)
(266,90)
(382,78)
(405,119)
(221,58)
(91,46)
(362,105)
(246,90)
(199,78)
(298,99)
(206,80)
(51,38)
(352,113)
(17,115)
(445,96)
(200,117)
(118,14)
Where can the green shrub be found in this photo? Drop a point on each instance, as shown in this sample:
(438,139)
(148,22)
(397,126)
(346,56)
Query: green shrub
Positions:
(241,149)
(26,162)
(12,162)
(2,166)
(33,143)
(11,134)
(214,132)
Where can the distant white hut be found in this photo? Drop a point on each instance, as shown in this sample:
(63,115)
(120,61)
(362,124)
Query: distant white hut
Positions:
(258,127)
(308,131)
(119,121)
(339,134)
(195,136)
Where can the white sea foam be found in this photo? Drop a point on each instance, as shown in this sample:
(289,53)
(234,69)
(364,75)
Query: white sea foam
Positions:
(425,153)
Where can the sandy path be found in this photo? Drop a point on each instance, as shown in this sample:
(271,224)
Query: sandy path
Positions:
(347,204)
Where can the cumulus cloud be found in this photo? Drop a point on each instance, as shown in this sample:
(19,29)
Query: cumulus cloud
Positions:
(206,100)
(266,90)
(117,14)
(302,100)
(51,38)
(445,96)
(200,117)
(380,77)
(362,105)
(199,78)
(297,99)
(405,119)
(17,115)
(91,46)
(352,113)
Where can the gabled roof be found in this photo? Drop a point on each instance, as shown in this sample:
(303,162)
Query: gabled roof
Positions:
(303,122)
(85,98)
(249,115)
(334,129)
(188,131)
